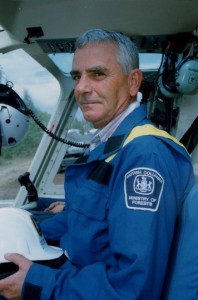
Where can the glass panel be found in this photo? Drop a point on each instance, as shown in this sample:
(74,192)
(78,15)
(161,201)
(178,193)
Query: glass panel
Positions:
(148,61)
(63,61)
(80,131)
(40,91)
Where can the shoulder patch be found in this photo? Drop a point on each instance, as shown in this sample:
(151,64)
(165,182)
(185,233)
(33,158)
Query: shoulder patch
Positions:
(143,189)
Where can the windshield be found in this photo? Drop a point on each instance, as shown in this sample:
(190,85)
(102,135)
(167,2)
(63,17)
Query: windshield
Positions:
(40,92)
(148,61)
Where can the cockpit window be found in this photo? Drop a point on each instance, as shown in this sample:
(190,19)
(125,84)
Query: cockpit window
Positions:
(148,61)
(40,92)
(63,61)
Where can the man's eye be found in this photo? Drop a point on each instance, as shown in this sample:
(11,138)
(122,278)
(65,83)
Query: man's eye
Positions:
(99,74)
(75,77)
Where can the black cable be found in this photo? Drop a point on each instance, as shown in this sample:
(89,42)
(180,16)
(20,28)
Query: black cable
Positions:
(46,130)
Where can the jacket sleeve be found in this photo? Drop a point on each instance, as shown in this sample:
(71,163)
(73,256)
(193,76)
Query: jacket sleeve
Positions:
(54,227)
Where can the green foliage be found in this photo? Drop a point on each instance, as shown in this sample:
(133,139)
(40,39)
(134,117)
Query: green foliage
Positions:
(27,147)
(83,125)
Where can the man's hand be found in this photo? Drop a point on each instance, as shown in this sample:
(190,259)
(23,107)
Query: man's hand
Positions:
(56,207)
(11,286)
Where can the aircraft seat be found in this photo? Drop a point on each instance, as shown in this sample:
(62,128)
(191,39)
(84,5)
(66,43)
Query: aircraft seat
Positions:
(182,276)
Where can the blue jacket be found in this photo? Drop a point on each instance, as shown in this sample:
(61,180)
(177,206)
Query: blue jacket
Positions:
(119,222)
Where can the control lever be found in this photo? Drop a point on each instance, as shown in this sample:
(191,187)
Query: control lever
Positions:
(25,181)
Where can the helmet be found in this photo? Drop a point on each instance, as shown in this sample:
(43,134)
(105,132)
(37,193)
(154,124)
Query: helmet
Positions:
(13,125)
(14,120)
(20,233)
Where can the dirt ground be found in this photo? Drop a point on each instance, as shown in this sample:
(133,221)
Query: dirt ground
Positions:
(9,173)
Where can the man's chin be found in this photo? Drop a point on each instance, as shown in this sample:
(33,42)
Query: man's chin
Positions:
(93,120)
(89,116)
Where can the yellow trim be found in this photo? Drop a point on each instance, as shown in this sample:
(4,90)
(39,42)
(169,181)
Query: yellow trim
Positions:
(146,130)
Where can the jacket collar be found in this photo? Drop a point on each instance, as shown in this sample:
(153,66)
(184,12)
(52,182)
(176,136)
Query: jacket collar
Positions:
(115,142)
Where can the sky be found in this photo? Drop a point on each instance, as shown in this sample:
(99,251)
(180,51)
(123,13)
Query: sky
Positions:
(28,75)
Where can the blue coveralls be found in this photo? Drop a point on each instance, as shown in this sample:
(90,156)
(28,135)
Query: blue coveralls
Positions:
(119,222)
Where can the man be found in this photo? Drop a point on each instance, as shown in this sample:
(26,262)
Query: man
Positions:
(121,210)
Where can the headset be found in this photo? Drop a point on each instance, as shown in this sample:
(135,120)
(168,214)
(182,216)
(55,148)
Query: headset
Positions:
(178,72)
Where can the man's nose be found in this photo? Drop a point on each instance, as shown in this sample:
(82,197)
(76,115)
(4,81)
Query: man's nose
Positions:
(83,85)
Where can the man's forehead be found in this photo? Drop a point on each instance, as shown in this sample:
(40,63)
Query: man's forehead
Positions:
(102,50)
(95,56)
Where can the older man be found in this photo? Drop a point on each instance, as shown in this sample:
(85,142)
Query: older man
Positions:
(122,197)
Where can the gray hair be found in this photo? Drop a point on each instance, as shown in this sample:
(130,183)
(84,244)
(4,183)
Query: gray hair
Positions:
(128,56)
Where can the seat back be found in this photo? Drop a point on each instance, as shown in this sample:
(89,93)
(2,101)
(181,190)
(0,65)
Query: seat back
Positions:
(182,276)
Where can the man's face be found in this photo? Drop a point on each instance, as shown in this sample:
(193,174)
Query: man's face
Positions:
(101,89)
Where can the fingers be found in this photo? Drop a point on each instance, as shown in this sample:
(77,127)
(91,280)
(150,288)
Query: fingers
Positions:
(19,260)
(16,258)
(11,286)
(51,206)
(56,207)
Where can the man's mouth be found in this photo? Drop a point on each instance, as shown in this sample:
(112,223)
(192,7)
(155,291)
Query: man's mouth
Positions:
(87,103)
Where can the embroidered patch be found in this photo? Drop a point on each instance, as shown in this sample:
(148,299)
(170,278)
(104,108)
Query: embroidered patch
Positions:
(143,188)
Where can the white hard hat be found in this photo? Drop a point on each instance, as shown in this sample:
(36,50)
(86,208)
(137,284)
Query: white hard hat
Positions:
(20,233)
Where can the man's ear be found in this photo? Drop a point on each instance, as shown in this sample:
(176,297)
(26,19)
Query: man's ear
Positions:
(135,80)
